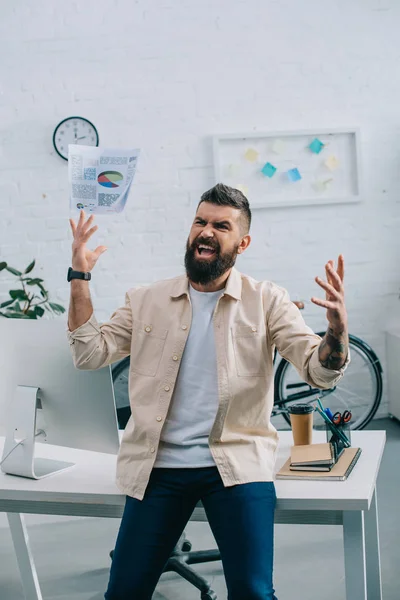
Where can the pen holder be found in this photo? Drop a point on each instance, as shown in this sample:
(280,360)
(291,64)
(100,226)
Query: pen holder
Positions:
(335,439)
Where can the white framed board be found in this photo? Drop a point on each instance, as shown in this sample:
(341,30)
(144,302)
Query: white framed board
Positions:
(291,168)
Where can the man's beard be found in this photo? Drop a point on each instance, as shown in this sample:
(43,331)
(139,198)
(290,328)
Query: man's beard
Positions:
(205,271)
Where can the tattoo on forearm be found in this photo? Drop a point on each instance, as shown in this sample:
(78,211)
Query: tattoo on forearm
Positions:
(333,349)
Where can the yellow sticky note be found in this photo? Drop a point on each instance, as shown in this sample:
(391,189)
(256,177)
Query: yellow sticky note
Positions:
(251,155)
(321,186)
(232,170)
(244,189)
(332,162)
(278,147)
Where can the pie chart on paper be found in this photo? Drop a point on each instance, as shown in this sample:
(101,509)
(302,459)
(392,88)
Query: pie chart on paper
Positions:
(110,179)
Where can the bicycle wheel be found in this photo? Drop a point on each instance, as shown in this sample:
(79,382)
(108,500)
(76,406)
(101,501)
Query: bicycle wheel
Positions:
(359,390)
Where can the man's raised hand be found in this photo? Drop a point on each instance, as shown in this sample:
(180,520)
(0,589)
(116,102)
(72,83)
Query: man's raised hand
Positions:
(334,300)
(84,259)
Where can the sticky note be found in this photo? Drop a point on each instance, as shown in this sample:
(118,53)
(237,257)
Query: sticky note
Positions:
(268,170)
(244,189)
(332,163)
(251,155)
(293,175)
(316,146)
(232,170)
(322,186)
(278,147)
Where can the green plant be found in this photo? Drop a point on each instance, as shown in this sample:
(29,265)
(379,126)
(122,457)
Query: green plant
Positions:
(31,301)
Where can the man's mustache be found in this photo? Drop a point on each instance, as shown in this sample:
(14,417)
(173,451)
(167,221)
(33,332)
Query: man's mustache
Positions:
(212,244)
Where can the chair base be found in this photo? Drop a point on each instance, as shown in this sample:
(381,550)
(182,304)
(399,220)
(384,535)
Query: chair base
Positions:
(182,557)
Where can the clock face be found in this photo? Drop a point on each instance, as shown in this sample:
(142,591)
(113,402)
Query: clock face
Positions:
(74,130)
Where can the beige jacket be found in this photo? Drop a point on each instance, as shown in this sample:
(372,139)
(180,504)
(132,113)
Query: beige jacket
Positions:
(250,319)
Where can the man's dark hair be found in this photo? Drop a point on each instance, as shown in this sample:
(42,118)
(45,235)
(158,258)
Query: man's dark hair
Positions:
(223,195)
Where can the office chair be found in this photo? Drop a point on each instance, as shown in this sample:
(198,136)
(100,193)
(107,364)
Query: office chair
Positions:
(182,556)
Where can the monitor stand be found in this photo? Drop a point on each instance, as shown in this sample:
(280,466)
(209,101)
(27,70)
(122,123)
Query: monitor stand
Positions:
(21,425)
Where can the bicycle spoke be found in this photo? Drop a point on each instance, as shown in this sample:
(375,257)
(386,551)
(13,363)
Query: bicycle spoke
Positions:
(351,394)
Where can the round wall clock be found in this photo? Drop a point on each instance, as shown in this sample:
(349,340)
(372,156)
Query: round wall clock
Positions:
(74,130)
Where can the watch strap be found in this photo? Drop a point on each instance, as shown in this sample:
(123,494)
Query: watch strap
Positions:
(78,275)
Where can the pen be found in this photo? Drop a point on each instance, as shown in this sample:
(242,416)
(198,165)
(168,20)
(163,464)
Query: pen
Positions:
(333,428)
(329,413)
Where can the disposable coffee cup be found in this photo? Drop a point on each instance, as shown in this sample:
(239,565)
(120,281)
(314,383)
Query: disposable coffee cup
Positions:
(301,419)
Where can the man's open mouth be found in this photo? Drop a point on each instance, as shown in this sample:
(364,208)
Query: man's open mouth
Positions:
(204,251)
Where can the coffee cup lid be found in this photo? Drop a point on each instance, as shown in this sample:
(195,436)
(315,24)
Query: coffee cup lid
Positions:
(300,409)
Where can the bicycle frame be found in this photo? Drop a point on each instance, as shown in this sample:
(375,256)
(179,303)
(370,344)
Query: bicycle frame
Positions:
(302,395)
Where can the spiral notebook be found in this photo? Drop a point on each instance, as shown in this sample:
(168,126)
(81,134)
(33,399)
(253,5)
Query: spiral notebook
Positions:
(315,457)
(312,455)
(339,472)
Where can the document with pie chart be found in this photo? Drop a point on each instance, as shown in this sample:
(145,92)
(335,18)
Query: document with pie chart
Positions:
(100,178)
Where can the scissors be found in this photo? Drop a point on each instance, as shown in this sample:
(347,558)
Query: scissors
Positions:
(342,418)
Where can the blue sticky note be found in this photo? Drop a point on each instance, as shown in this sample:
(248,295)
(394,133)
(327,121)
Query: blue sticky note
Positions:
(268,170)
(316,146)
(293,175)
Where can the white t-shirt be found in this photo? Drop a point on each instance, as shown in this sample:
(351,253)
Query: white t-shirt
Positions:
(194,404)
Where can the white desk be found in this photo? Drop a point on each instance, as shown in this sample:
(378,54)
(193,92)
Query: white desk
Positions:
(89,490)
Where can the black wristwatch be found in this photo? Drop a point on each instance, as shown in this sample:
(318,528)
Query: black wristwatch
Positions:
(78,275)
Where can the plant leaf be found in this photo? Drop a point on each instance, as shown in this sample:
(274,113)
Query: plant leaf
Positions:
(31,314)
(13,271)
(44,293)
(39,311)
(30,281)
(16,315)
(6,303)
(57,308)
(29,268)
(20,294)
(3,265)
(16,307)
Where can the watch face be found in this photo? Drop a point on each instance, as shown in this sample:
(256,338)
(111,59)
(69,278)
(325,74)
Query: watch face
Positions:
(74,130)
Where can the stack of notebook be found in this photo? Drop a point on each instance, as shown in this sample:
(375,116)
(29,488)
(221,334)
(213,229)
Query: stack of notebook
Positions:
(319,461)
(313,457)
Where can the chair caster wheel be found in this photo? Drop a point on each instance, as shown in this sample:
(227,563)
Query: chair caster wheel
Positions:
(210,595)
(186,546)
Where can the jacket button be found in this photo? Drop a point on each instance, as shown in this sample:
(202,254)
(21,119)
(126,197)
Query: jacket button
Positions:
(184,327)
(147,329)
(166,388)
(254,328)
(175,357)
(159,418)
(152,449)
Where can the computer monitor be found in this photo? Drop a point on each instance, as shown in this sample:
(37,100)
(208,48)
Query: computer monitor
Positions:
(44,398)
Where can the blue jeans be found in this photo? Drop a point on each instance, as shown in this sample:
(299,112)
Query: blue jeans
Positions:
(241,518)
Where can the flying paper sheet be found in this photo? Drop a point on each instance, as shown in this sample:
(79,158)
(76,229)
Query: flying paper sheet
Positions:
(268,170)
(332,163)
(278,147)
(316,146)
(293,175)
(100,178)
(251,155)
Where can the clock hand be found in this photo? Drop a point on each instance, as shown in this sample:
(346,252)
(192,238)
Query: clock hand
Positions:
(81,138)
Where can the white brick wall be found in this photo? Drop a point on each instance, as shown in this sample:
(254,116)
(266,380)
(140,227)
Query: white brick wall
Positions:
(165,75)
